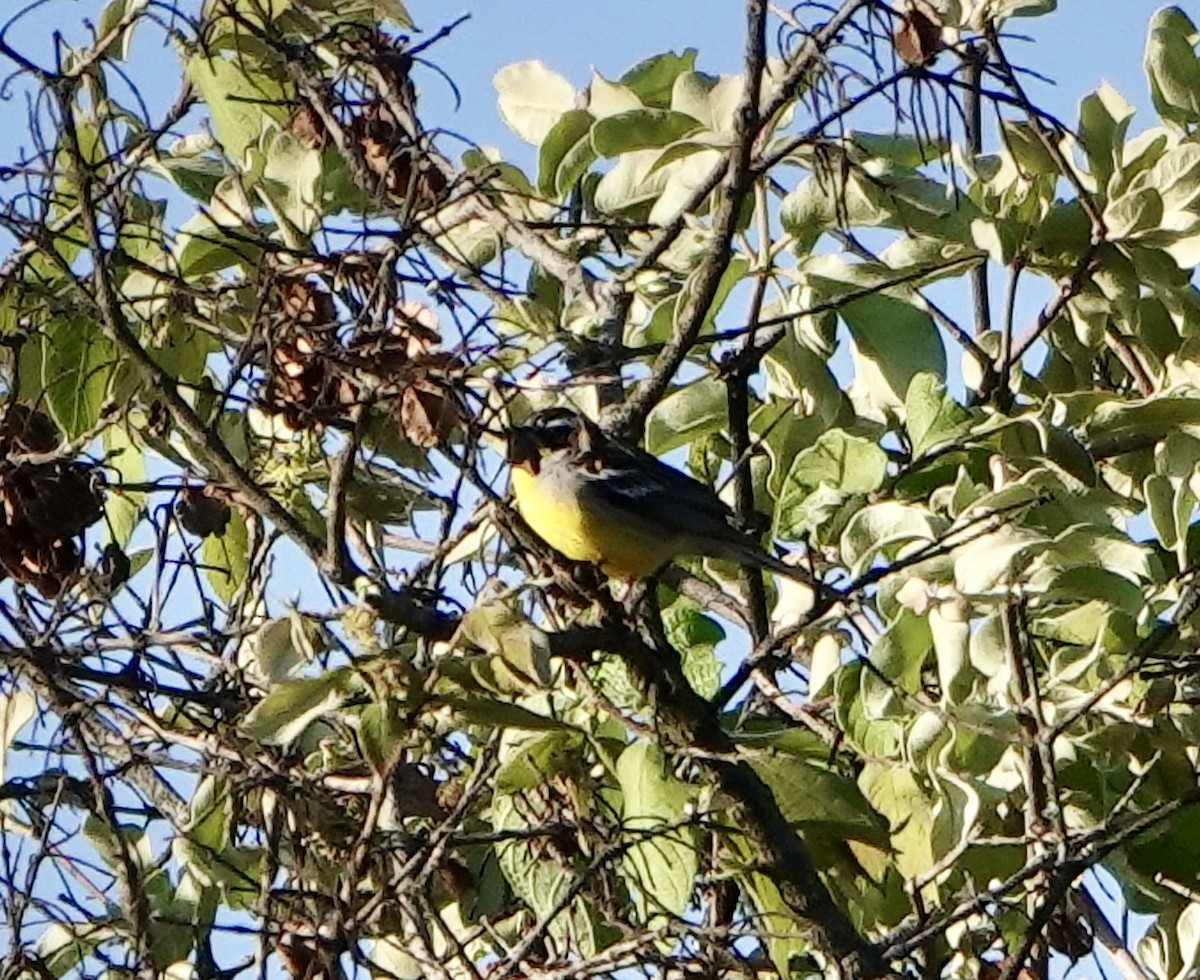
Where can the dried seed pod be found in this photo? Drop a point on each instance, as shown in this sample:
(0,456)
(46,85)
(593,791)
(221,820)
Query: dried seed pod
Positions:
(379,139)
(26,430)
(308,127)
(303,303)
(113,567)
(918,37)
(416,792)
(428,412)
(49,568)
(50,501)
(456,877)
(418,324)
(203,512)
(158,419)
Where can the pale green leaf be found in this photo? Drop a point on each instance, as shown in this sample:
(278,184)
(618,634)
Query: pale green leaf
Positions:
(1173,68)
(894,341)
(242,97)
(532,98)
(839,462)
(289,708)
(662,865)
(607,98)
(692,411)
(932,417)
(78,365)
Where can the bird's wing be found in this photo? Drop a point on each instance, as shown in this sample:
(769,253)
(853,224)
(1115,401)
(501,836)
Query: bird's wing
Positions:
(662,496)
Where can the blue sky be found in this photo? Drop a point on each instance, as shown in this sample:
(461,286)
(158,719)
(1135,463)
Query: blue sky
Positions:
(1080,44)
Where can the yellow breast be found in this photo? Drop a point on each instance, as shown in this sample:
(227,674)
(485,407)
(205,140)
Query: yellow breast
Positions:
(584,535)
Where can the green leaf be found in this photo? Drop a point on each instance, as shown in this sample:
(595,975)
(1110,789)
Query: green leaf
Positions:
(818,800)
(122,509)
(16,709)
(932,417)
(196,176)
(566,153)
(292,180)
(812,207)
(518,652)
(116,13)
(289,708)
(203,247)
(1088,582)
(541,880)
(243,98)
(882,530)
(991,560)
(640,129)
(661,866)
(1000,10)
(690,95)
(1104,118)
(632,181)
(396,12)
(901,652)
(281,645)
(690,412)
(383,501)
(539,759)
(894,341)
(838,461)
(1024,142)
(895,792)
(60,949)
(78,364)
(227,558)
(1134,214)
(1172,67)
(696,637)
(1150,418)
(908,151)
(652,80)
(607,98)
(532,98)
(502,714)
(951,647)
(776,923)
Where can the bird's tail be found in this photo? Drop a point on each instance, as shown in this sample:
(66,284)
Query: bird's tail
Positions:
(747,552)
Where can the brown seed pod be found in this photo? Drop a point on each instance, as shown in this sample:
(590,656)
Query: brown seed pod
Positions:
(418,324)
(49,568)
(203,511)
(456,877)
(113,567)
(429,412)
(303,303)
(918,37)
(26,430)
(308,127)
(42,503)
(158,419)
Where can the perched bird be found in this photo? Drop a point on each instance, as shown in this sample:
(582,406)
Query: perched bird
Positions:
(596,499)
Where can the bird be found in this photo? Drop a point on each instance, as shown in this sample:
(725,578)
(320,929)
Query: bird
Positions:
(594,498)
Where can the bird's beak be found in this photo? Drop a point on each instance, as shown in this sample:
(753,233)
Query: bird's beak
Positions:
(523,447)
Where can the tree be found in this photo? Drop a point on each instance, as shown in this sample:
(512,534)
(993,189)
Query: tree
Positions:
(289,686)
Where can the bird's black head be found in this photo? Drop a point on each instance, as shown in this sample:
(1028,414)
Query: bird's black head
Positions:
(547,431)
